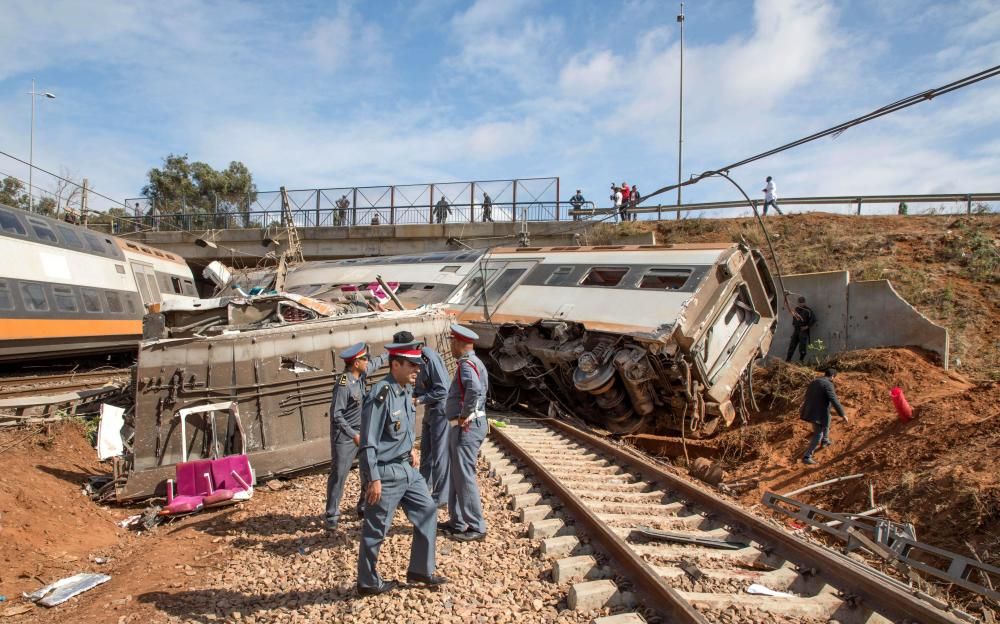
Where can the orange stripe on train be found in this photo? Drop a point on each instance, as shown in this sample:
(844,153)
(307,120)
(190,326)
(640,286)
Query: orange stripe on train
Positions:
(23,329)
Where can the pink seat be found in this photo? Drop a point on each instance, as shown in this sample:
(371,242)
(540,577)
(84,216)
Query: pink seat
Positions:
(233,477)
(192,487)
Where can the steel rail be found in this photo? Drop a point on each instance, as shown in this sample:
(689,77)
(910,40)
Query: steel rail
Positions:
(879,596)
(656,593)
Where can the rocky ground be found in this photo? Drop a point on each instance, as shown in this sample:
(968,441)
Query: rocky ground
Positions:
(268,560)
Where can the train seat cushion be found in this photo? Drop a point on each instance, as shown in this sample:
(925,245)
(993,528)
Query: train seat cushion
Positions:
(182,504)
(234,473)
(219,497)
(191,480)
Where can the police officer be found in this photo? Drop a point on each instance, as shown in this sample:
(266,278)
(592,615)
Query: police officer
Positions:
(345,421)
(430,391)
(465,409)
(802,321)
(388,420)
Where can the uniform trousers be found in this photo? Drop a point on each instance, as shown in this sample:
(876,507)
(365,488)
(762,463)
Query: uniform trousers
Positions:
(342,455)
(434,453)
(465,508)
(402,486)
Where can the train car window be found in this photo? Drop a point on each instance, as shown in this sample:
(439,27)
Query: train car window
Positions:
(189,289)
(65,299)
(665,279)
(70,237)
(114,302)
(471,288)
(154,292)
(175,282)
(129,304)
(132,246)
(10,223)
(33,296)
(42,230)
(451,268)
(559,275)
(604,276)
(91,300)
(120,268)
(6,297)
(501,285)
(94,243)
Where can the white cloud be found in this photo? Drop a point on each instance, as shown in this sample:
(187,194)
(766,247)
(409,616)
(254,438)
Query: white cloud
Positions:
(596,76)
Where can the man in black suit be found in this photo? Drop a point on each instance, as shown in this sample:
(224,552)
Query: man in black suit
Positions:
(820,396)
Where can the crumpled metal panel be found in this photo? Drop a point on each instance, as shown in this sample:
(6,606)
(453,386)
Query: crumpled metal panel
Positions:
(285,409)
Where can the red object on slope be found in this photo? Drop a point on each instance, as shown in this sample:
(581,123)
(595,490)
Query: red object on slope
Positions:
(903,409)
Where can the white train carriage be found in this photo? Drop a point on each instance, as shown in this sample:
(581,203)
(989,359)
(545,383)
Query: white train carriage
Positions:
(634,338)
(68,290)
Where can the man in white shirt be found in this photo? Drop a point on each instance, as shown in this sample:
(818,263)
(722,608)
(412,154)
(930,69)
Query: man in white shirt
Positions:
(771,196)
(616,197)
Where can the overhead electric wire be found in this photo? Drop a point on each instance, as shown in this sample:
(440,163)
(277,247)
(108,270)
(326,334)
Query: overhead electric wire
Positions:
(54,175)
(896,106)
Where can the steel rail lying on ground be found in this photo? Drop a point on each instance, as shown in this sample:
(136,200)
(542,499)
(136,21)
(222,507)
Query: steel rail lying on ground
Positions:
(853,581)
(659,595)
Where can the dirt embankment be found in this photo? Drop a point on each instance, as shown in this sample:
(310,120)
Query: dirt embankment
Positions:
(948,267)
(940,471)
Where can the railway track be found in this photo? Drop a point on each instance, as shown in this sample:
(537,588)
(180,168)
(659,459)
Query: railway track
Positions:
(688,555)
(32,385)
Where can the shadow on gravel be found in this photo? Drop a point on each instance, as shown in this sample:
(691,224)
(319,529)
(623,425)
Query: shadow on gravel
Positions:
(211,605)
(304,545)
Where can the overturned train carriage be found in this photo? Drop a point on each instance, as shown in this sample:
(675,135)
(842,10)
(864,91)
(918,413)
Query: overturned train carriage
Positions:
(630,338)
(280,378)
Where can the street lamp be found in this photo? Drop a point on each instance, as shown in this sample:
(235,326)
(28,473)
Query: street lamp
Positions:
(680,115)
(31,147)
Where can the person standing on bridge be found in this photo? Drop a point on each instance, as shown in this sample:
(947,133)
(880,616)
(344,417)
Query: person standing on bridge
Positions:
(616,197)
(820,396)
(389,466)
(342,205)
(771,196)
(441,210)
(487,208)
(577,202)
(431,390)
(636,198)
(466,412)
(803,319)
(345,422)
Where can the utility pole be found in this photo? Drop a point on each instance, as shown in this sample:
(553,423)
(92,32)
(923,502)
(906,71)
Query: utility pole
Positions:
(680,115)
(83,203)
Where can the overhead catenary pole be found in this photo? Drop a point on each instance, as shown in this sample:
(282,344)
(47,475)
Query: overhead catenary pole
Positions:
(680,113)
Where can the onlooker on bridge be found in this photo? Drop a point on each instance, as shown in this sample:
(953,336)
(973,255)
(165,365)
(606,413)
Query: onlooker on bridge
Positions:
(771,196)
(626,198)
(616,197)
(340,217)
(577,202)
(903,208)
(376,220)
(487,208)
(441,210)
(636,198)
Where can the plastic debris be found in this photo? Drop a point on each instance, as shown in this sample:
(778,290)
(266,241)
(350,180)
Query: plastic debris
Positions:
(62,590)
(127,522)
(762,590)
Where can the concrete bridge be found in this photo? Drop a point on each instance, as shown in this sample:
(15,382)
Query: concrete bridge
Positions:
(243,247)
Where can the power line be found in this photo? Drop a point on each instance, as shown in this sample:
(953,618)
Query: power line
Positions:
(896,106)
(54,175)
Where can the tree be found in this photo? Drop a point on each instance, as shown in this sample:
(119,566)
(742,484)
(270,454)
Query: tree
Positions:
(195,188)
(12,193)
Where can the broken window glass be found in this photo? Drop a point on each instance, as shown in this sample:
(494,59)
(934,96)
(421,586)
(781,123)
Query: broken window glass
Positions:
(604,276)
(665,279)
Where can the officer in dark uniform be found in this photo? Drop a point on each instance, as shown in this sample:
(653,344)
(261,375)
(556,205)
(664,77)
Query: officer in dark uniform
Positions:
(430,391)
(802,321)
(820,396)
(345,421)
(466,412)
(388,422)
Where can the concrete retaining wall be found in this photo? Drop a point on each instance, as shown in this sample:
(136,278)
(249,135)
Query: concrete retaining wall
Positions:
(857,315)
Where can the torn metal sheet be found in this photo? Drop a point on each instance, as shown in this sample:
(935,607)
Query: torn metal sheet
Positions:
(281,378)
(684,538)
(62,590)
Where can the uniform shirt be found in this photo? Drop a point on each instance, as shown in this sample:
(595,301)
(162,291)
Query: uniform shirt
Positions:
(388,421)
(577,201)
(770,191)
(348,395)
(805,317)
(468,392)
(432,381)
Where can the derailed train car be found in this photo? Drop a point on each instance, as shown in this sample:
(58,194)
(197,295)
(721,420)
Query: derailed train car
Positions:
(630,338)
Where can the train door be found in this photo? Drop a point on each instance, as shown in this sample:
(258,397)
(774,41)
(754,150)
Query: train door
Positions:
(499,279)
(145,280)
(726,333)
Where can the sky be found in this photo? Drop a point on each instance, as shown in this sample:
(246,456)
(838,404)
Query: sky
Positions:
(342,93)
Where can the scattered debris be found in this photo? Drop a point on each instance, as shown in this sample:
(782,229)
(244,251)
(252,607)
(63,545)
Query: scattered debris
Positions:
(62,590)
(681,538)
(692,570)
(822,483)
(706,470)
(109,432)
(18,609)
(763,590)
(127,522)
